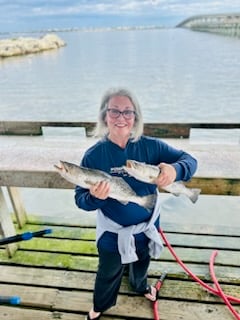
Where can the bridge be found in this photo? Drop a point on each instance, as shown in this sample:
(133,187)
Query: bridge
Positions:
(225,24)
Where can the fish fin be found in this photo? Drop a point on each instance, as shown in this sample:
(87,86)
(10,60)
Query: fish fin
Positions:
(176,194)
(195,194)
(149,201)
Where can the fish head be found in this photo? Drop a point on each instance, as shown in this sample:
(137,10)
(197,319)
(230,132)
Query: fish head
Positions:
(140,167)
(79,175)
(142,171)
(133,164)
(68,170)
(131,167)
(136,170)
(63,167)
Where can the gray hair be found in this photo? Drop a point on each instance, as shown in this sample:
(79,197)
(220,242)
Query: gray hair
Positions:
(101,128)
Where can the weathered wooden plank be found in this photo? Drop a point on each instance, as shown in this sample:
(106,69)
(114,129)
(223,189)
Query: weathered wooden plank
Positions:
(64,235)
(46,259)
(127,306)
(204,241)
(60,245)
(85,220)
(187,252)
(20,128)
(139,307)
(169,310)
(18,206)
(41,276)
(64,232)
(31,296)
(83,232)
(35,127)
(172,289)
(51,179)
(224,273)
(34,179)
(18,313)
(202,229)
(182,130)
(87,263)
(166,130)
(191,255)
(85,227)
(219,186)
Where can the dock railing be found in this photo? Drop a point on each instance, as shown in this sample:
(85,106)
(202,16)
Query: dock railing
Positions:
(24,164)
(162,130)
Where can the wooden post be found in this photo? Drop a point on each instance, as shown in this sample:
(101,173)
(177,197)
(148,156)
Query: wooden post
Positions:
(6,225)
(18,206)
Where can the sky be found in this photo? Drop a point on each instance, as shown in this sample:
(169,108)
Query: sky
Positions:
(34,15)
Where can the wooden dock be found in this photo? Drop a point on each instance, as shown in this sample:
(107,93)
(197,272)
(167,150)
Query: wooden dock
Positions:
(54,275)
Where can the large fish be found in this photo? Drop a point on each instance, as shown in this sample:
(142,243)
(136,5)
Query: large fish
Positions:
(119,188)
(148,173)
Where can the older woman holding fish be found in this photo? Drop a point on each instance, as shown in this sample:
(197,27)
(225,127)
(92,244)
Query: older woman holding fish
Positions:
(127,232)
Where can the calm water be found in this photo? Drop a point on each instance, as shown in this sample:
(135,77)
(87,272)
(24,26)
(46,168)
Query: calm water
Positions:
(178,75)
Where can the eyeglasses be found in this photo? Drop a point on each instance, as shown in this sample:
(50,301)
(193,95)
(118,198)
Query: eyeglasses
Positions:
(127,114)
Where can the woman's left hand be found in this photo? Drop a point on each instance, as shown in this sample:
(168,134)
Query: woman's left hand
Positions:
(167,175)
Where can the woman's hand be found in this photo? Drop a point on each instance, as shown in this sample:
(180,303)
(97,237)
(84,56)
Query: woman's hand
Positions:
(167,175)
(100,190)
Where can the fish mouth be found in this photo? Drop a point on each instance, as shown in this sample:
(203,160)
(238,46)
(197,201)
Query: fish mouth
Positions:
(129,164)
(132,164)
(60,167)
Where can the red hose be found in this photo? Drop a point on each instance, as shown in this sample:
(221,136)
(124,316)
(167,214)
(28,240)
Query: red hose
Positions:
(155,310)
(217,285)
(217,291)
(155,303)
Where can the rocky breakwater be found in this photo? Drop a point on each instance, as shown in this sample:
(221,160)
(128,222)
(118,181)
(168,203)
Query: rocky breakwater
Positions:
(26,45)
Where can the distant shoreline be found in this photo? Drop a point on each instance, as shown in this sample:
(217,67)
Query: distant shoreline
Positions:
(86,29)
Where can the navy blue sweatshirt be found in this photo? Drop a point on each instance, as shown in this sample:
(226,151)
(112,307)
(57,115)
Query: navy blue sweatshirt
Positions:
(105,155)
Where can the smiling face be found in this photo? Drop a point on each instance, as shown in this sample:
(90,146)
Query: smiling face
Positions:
(120,128)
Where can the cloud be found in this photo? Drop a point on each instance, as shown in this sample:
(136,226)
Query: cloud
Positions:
(23,13)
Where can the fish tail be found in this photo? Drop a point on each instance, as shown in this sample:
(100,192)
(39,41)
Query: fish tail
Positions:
(194,195)
(149,201)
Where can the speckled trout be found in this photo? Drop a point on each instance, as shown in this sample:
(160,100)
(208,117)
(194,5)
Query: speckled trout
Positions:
(119,188)
(148,173)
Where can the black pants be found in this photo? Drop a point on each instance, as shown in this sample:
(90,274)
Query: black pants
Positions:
(109,276)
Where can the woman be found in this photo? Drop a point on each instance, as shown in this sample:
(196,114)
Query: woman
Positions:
(120,127)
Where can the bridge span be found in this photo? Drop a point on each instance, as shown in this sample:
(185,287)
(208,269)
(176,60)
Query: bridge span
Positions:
(225,24)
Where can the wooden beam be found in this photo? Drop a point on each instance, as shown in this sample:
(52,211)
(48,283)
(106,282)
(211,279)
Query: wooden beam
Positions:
(164,130)
(42,179)
(216,186)
(18,206)
(7,228)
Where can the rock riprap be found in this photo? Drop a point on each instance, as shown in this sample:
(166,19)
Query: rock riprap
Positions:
(27,45)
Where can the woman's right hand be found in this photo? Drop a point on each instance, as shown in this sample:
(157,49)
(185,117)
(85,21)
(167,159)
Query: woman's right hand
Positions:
(100,190)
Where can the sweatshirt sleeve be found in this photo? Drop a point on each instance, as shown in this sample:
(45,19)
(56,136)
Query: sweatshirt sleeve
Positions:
(184,163)
(84,200)
(185,166)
